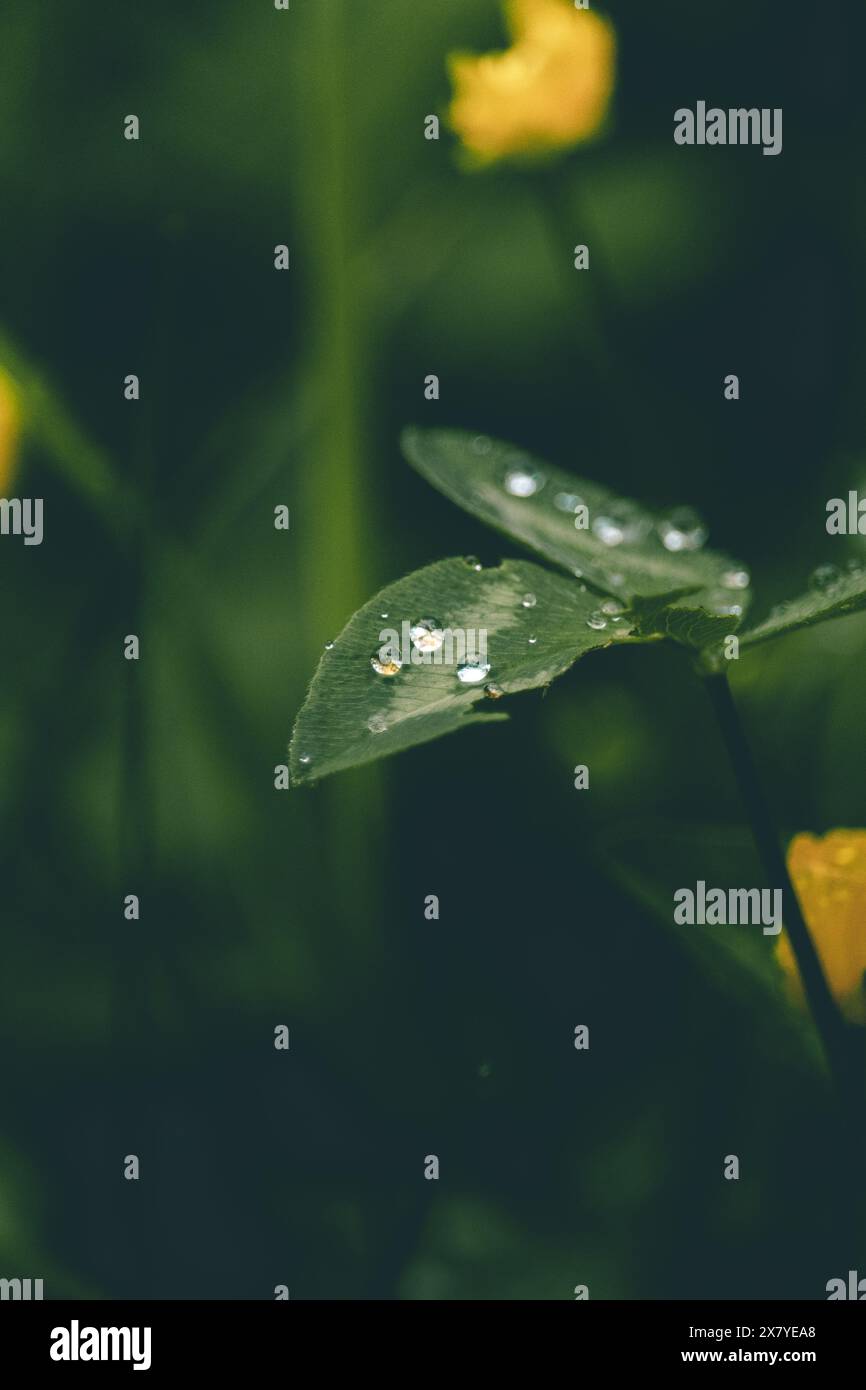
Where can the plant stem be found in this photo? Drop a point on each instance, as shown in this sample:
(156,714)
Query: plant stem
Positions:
(831,1027)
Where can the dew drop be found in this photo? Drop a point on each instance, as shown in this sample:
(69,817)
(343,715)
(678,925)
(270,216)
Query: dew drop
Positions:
(597,621)
(305,759)
(612,607)
(377,724)
(474,563)
(528,600)
(736,579)
(723,606)
(481,445)
(383,615)
(523,482)
(533,640)
(494,691)
(329,646)
(567,501)
(825,578)
(389,667)
(621,523)
(473,672)
(683,529)
(427,635)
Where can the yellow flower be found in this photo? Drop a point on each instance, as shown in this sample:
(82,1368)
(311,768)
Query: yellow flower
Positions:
(550,90)
(829,875)
(10,428)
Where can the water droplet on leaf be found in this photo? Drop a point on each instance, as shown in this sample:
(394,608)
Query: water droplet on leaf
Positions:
(567,501)
(597,621)
(377,724)
(528,600)
(736,579)
(427,635)
(389,667)
(621,523)
(825,579)
(473,672)
(523,482)
(683,529)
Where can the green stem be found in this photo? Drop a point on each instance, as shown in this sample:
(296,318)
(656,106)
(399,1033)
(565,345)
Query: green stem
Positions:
(831,1027)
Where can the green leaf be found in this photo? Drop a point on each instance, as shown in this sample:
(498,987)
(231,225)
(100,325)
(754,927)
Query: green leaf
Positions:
(686,621)
(421,702)
(472,471)
(847,594)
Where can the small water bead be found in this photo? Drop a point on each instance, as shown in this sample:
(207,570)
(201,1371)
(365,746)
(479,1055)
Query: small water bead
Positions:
(523,482)
(621,632)
(567,501)
(305,759)
(481,445)
(736,579)
(683,529)
(612,607)
(620,523)
(532,641)
(722,606)
(387,667)
(529,600)
(329,646)
(377,724)
(383,615)
(494,691)
(825,578)
(474,563)
(473,672)
(597,621)
(427,634)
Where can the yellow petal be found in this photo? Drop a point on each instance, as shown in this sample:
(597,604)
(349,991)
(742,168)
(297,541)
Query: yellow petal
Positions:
(549,91)
(829,875)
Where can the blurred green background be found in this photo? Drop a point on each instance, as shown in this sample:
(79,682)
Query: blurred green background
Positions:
(262,907)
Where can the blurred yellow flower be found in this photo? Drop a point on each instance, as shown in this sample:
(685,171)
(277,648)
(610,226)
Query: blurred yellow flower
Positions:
(10,428)
(550,90)
(829,875)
